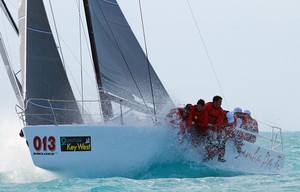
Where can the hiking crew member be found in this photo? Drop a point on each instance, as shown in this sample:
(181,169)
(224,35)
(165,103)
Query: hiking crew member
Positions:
(177,117)
(197,122)
(215,112)
(225,133)
(250,125)
(215,119)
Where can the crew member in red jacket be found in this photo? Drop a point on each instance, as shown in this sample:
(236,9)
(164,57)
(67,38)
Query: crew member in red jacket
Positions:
(197,122)
(178,117)
(215,119)
(215,114)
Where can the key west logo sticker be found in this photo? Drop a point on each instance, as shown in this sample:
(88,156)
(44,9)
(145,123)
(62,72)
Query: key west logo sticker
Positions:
(75,143)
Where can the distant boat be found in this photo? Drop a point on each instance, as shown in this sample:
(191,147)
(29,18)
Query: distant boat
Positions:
(57,127)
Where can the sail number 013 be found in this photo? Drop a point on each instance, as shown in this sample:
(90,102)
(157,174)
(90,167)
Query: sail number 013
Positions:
(45,143)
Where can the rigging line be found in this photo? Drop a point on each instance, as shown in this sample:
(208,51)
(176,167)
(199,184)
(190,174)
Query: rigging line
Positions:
(80,48)
(75,57)
(206,51)
(70,50)
(60,48)
(58,40)
(121,52)
(148,63)
(88,51)
(266,124)
(7,39)
(6,35)
(8,14)
(13,5)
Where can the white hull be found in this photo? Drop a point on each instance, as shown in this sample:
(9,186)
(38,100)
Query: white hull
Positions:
(115,149)
(252,159)
(111,149)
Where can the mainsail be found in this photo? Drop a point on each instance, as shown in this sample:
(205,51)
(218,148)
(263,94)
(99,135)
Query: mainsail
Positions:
(122,68)
(46,89)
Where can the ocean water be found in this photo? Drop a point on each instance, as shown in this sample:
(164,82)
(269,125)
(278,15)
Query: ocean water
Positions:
(18,174)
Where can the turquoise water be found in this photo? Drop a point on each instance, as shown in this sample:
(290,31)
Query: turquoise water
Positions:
(176,176)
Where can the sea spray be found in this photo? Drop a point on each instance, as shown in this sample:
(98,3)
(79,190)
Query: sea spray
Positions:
(15,162)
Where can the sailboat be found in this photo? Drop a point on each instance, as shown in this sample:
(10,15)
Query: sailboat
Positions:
(57,127)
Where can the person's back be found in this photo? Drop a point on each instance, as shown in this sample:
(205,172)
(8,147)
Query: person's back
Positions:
(250,125)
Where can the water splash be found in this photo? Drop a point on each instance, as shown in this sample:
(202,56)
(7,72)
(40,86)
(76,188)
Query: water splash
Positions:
(16,165)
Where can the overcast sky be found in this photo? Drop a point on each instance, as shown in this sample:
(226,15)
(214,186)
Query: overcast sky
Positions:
(253,46)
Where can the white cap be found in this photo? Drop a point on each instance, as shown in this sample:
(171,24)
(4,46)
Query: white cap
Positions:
(237,110)
(247,112)
(230,117)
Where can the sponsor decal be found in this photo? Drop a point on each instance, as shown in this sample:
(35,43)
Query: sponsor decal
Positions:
(75,143)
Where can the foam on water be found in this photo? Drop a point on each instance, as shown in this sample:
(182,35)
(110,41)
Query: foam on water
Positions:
(15,161)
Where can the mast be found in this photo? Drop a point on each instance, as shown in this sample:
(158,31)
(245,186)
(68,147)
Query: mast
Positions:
(106,105)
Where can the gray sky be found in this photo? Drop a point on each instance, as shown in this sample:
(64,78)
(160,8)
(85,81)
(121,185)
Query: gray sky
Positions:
(253,45)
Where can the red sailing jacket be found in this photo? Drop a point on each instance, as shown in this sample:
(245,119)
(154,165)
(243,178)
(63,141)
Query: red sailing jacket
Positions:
(198,117)
(175,117)
(215,115)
